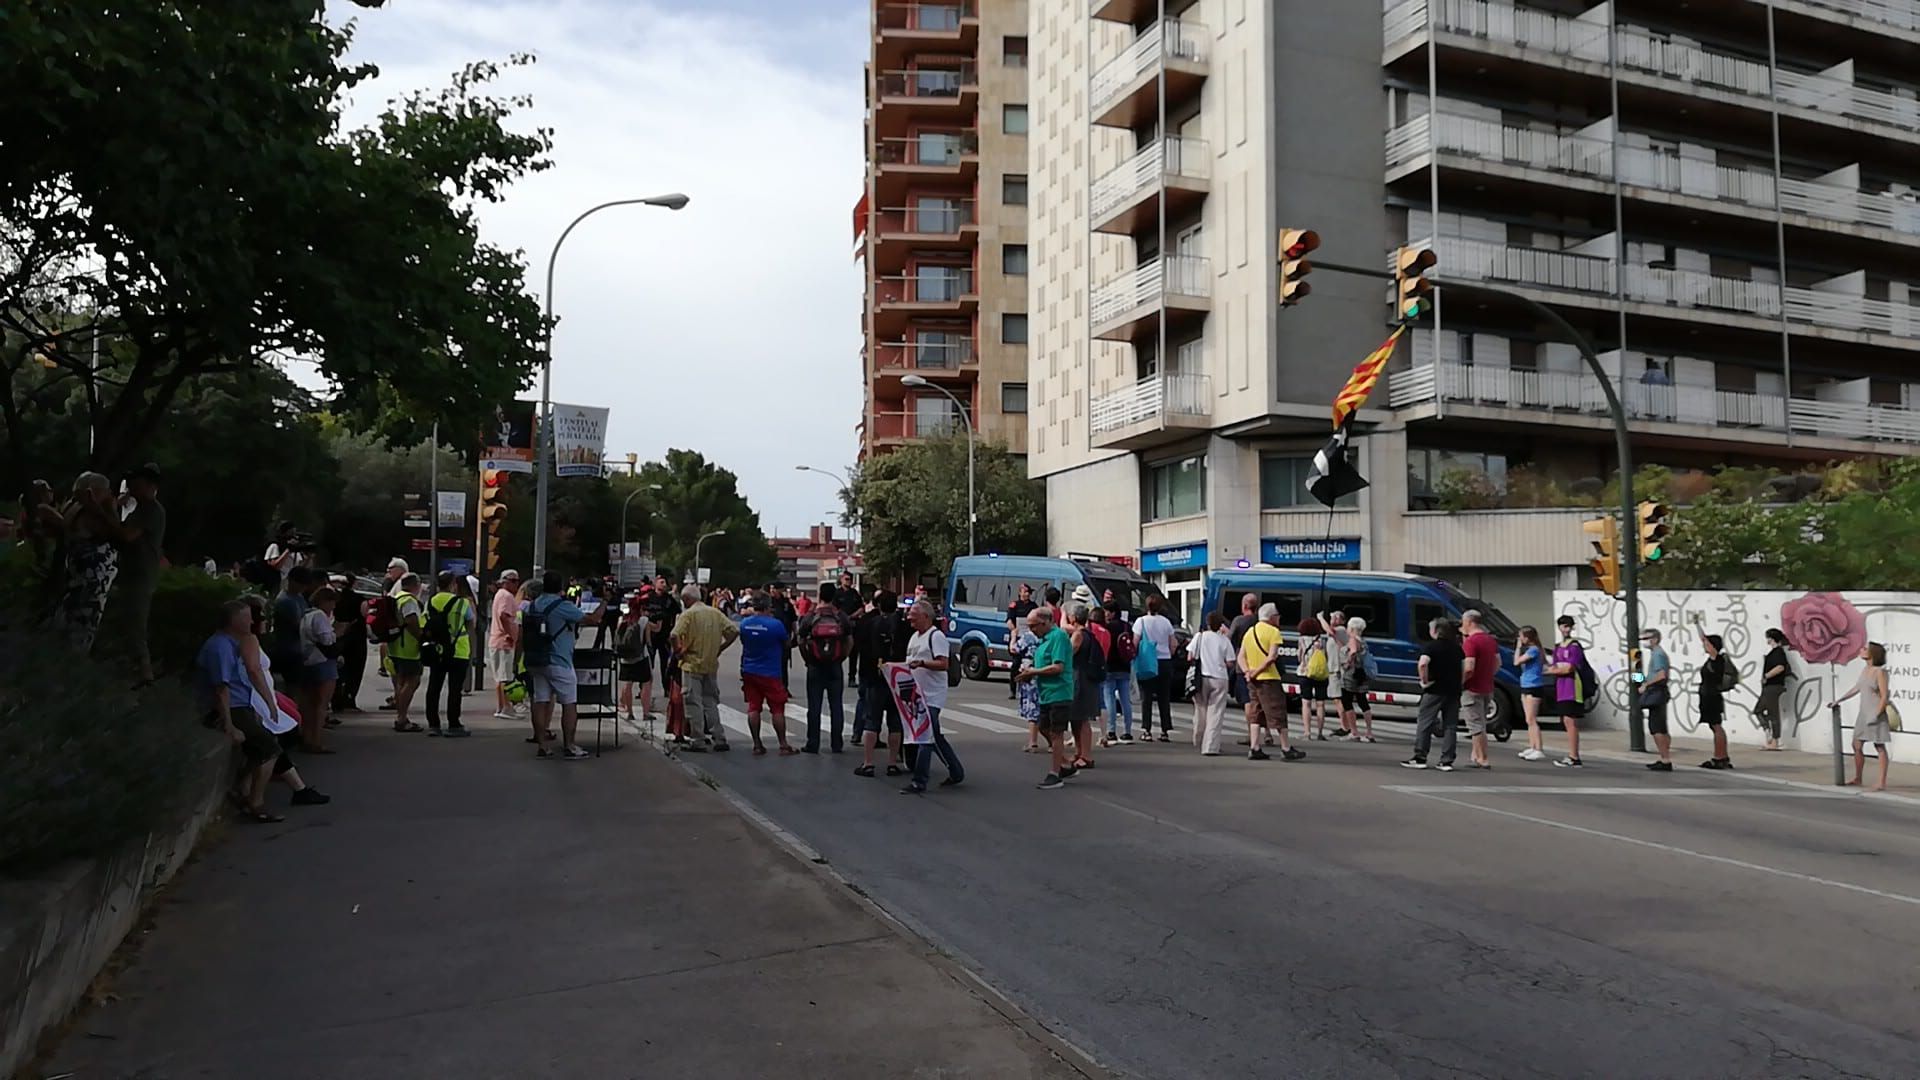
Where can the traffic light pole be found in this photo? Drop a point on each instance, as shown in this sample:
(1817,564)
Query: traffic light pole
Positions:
(1623,448)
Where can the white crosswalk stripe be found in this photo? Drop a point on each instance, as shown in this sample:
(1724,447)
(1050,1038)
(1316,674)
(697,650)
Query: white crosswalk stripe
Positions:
(949,717)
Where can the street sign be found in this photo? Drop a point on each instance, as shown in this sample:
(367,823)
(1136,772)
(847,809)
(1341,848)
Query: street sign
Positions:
(462,567)
(453,509)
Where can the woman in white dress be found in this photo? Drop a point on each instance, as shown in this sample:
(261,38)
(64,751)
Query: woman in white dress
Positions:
(1872,723)
(283,723)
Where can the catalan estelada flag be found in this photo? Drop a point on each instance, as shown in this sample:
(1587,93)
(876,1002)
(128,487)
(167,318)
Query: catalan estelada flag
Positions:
(1360,384)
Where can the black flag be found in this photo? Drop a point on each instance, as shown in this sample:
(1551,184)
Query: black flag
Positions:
(1333,472)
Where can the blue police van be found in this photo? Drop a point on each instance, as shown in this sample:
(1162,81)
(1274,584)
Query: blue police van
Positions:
(1398,609)
(980,589)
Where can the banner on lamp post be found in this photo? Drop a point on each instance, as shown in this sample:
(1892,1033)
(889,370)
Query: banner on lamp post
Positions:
(509,438)
(579,440)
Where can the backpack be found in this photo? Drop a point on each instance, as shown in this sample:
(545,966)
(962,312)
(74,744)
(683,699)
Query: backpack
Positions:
(634,645)
(536,638)
(826,641)
(1589,682)
(1315,666)
(383,618)
(1125,645)
(1729,675)
(436,631)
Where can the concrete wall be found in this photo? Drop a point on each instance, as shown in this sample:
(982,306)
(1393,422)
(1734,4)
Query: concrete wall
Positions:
(1742,618)
(1000,224)
(1095,509)
(57,930)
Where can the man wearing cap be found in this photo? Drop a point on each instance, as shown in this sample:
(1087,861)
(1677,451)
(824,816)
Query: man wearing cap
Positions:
(140,557)
(503,639)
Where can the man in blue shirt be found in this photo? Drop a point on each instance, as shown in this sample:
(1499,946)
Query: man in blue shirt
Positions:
(763,651)
(549,628)
(226,688)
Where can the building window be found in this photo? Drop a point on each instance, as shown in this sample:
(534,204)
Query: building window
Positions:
(1283,483)
(1013,49)
(1176,488)
(1013,258)
(1013,189)
(1013,119)
(1013,397)
(1455,479)
(935,415)
(1013,328)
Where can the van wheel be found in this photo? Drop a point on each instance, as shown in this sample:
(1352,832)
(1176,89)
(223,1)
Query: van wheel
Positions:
(973,662)
(1505,708)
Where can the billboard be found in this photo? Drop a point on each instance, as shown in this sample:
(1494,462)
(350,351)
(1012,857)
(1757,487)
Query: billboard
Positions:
(509,438)
(579,440)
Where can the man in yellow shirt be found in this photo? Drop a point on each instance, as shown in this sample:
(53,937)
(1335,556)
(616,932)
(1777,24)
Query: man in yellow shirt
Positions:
(403,652)
(700,635)
(1266,694)
(448,649)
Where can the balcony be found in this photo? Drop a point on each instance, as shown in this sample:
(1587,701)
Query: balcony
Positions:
(1179,288)
(1126,201)
(1472,144)
(934,292)
(932,156)
(1125,91)
(1158,409)
(1896,14)
(1683,291)
(902,29)
(953,354)
(936,94)
(1134,12)
(1654,60)
(900,426)
(1555,393)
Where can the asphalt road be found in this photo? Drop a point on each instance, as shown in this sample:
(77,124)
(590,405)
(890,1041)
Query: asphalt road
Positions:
(1178,916)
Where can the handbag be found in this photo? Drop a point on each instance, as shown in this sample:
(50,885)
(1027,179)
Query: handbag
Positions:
(1892,716)
(1655,694)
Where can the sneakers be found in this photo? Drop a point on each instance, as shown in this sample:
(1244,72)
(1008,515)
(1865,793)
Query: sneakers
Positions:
(458,731)
(1414,763)
(1052,782)
(307,796)
(1257,754)
(1717,763)
(576,753)
(1569,763)
(502,715)
(1530,754)
(1069,772)
(1660,766)
(1127,738)
(1445,766)
(1291,754)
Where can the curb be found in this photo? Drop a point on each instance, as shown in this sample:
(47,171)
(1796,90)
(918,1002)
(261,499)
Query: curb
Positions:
(1630,758)
(947,960)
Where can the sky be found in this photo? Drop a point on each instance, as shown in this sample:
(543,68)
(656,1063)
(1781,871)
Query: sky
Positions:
(731,327)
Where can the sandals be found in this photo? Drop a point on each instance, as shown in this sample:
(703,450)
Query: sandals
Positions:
(788,751)
(895,770)
(1082,763)
(866,770)
(260,815)
(759,751)
(408,726)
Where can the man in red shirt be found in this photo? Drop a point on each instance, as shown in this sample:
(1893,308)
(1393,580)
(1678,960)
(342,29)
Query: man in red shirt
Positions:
(1482,664)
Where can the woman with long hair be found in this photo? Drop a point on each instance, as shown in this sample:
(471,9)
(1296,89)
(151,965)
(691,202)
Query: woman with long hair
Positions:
(1871,724)
(1530,656)
(631,645)
(1775,670)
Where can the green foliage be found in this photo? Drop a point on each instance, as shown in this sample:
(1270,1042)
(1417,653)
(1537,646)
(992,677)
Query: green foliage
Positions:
(180,167)
(1468,489)
(186,608)
(696,496)
(364,526)
(911,506)
(89,763)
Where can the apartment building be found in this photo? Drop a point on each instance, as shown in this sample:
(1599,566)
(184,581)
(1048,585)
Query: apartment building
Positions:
(1718,194)
(942,223)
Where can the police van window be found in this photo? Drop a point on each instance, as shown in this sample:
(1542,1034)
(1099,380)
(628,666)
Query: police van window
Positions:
(974,591)
(1292,605)
(1423,616)
(1376,608)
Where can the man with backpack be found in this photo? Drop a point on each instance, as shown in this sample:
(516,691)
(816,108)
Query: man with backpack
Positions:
(447,649)
(399,615)
(880,636)
(825,642)
(546,643)
(1116,692)
(1573,690)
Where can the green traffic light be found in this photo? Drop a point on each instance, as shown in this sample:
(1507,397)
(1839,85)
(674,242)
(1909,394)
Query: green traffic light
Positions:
(1415,309)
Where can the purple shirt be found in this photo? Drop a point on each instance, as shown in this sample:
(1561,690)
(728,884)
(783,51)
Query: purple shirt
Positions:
(1567,687)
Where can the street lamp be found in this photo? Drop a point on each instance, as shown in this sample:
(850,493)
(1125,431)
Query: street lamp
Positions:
(845,489)
(623,520)
(674,201)
(704,537)
(919,382)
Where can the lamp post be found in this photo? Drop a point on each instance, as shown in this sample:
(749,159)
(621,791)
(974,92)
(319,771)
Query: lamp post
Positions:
(704,537)
(919,382)
(543,454)
(845,488)
(631,495)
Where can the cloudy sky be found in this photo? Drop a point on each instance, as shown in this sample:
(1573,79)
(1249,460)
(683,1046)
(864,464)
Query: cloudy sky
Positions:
(731,327)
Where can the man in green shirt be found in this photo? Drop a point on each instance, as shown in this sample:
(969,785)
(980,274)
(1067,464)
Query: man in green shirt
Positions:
(451,650)
(1052,667)
(403,652)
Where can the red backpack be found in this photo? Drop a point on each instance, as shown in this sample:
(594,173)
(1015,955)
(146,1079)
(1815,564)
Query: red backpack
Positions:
(1124,642)
(383,618)
(826,641)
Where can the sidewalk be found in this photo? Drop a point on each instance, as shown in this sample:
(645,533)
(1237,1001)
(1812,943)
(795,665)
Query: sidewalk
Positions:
(464,910)
(1789,766)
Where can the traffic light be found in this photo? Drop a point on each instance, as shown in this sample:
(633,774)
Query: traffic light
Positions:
(1411,289)
(1295,246)
(1653,530)
(493,512)
(1605,535)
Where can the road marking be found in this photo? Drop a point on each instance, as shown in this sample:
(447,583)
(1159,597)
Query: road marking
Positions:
(1559,789)
(998,710)
(1794,875)
(981,722)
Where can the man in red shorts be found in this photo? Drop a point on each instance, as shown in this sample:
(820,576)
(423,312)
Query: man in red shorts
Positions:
(763,647)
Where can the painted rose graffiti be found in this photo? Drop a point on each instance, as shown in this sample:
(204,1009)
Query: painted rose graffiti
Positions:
(1824,627)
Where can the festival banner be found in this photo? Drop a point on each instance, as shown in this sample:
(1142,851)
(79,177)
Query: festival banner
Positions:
(579,440)
(509,438)
(916,721)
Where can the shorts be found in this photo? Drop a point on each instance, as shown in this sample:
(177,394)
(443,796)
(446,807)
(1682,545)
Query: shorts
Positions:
(500,666)
(1355,701)
(1713,711)
(1313,689)
(320,674)
(640,671)
(1087,701)
(260,745)
(765,690)
(406,668)
(1567,710)
(1479,709)
(1056,717)
(1657,719)
(1538,692)
(556,685)
(1269,705)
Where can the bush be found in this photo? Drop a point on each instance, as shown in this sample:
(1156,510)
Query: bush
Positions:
(186,608)
(89,763)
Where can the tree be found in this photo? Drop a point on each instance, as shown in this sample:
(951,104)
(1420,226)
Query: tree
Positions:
(176,179)
(911,506)
(365,526)
(696,496)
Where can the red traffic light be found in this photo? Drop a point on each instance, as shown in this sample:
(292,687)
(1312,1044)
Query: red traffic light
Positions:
(493,478)
(1298,242)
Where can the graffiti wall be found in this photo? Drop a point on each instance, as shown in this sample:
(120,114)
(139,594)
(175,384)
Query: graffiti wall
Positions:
(1825,629)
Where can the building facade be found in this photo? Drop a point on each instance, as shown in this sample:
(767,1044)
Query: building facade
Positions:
(942,223)
(1717,195)
(810,561)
